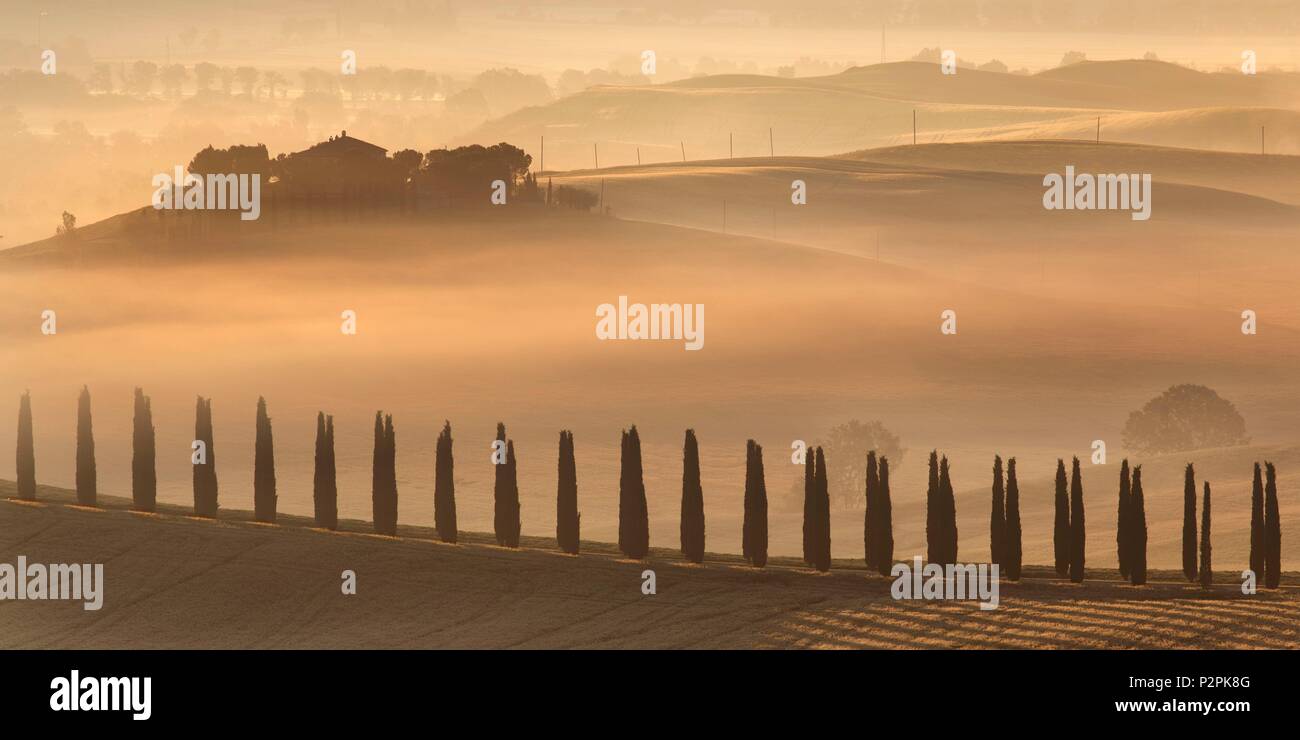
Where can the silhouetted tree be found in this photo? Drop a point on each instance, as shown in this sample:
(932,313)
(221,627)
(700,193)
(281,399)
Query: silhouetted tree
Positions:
(144,476)
(948,513)
(1077,533)
(884,543)
(567,518)
(26,450)
(87,479)
(506,521)
(933,521)
(809,505)
(1272,529)
(1189,524)
(1206,571)
(1138,529)
(444,487)
(1123,537)
(754,529)
(383,492)
(1258,537)
(205,475)
(822,527)
(869,525)
(998,516)
(325,492)
(692,518)
(264,497)
(1061,531)
(633,516)
(1012,552)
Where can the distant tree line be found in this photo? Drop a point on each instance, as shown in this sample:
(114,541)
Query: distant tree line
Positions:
(1005,534)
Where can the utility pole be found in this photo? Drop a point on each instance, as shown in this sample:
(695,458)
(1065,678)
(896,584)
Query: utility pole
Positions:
(683,151)
(771,147)
(595,153)
(638,156)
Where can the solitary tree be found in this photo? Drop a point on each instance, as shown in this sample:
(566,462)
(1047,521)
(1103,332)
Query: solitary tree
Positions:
(1258,537)
(1272,530)
(87,479)
(205,473)
(809,504)
(324,486)
(444,487)
(822,516)
(884,542)
(1206,572)
(567,518)
(1061,531)
(264,497)
(633,516)
(1123,536)
(933,519)
(1077,533)
(1011,535)
(1189,524)
(1184,417)
(692,517)
(1138,529)
(754,529)
(506,522)
(26,450)
(949,513)
(869,525)
(998,516)
(144,476)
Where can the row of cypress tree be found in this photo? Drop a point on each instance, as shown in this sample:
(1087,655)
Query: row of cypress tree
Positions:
(634,537)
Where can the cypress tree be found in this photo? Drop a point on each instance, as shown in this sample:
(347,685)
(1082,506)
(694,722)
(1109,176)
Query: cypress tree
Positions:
(1137,556)
(1012,535)
(754,529)
(567,518)
(822,518)
(506,521)
(264,498)
(383,477)
(809,504)
(1189,524)
(26,450)
(884,523)
(1272,530)
(1206,571)
(205,475)
(324,487)
(87,479)
(692,517)
(933,523)
(633,516)
(998,516)
(1257,534)
(1122,534)
(869,525)
(144,476)
(1061,531)
(444,487)
(948,512)
(1077,533)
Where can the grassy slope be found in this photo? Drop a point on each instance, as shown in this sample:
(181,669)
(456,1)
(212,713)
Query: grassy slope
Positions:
(174,581)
